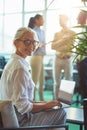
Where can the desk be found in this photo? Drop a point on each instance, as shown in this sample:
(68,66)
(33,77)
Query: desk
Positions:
(75,116)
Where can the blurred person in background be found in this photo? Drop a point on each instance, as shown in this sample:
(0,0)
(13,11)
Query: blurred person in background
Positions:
(36,61)
(62,43)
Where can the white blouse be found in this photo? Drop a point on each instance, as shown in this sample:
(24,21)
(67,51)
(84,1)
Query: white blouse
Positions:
(17,85)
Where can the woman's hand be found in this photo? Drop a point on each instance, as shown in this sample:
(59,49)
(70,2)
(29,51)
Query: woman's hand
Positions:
(42,45)
(53,103)
(40,106)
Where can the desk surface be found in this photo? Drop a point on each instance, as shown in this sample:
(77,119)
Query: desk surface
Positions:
(75,115)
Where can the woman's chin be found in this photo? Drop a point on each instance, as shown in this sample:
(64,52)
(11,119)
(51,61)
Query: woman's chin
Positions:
(29,53)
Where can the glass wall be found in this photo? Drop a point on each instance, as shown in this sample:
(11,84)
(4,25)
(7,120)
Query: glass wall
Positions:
(16,13)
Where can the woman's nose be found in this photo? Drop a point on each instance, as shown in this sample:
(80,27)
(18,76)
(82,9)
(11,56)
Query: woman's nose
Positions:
(32,46)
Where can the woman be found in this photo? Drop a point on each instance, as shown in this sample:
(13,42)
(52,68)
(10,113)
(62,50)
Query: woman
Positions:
(38,55)
(17,85)
(63,57)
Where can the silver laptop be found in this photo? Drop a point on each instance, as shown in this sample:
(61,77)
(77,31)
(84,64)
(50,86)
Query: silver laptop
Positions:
(65,95)
(66,92)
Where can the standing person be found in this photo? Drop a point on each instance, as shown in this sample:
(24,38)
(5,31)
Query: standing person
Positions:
(18,86)
(38,55)
(62,43)
(82,65)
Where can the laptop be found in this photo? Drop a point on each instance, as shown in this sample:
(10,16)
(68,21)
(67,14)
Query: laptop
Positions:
(66,92)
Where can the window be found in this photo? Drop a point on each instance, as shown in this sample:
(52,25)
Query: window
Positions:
(64,4)
(16,13)
(34,5)
(12,23)
(1,6)
(13,6)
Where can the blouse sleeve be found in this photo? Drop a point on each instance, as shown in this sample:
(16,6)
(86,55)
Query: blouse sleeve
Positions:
(21,89)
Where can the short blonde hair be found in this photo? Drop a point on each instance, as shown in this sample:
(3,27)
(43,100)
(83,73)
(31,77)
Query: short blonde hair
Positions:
(21,31)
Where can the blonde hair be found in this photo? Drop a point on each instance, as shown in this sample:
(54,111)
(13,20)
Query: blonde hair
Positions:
(21,31)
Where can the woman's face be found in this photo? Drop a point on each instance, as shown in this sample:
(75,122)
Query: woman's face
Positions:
(39,22)
(63,20)
(25,45)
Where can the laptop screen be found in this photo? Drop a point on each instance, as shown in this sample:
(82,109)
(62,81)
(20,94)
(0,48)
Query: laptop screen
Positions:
(66,91)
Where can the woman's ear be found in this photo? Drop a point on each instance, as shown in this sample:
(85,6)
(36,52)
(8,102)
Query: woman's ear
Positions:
(15,44)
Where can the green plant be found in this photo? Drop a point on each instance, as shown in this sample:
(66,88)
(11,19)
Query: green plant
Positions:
(80,46)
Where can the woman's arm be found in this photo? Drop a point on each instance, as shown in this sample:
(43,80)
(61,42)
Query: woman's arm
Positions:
(39,106)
